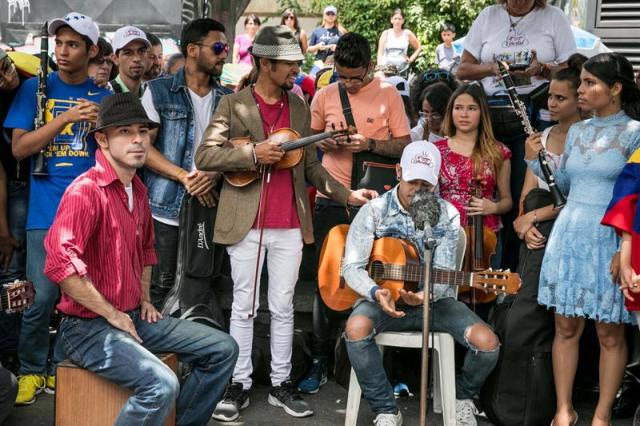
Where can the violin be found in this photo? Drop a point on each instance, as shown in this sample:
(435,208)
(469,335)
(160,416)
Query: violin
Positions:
(481,245)
(290,142)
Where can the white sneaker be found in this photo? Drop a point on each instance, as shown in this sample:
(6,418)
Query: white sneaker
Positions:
(466,413)
(388,419)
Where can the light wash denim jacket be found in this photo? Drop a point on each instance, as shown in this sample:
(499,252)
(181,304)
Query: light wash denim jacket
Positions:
(175,139)
(385,217)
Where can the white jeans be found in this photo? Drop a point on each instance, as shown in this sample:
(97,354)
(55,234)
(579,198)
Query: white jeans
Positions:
(284,247)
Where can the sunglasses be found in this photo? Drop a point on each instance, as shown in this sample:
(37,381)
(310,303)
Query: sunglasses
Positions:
(293,18)
(102,61)
(436,76)
(330,13)
(218,47)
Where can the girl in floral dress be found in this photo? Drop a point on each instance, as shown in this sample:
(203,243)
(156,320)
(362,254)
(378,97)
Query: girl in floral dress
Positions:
(470,153)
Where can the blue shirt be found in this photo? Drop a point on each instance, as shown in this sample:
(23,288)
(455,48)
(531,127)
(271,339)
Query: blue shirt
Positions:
(69,154)
(328,36)
(385,217)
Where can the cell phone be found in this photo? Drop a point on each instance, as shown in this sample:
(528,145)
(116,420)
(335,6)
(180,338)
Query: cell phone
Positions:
(518,67)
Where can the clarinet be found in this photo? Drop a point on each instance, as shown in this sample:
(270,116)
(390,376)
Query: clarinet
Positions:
(39,165)
(559,199)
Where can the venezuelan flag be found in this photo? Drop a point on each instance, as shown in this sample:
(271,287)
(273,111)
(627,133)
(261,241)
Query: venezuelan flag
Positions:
(623,214)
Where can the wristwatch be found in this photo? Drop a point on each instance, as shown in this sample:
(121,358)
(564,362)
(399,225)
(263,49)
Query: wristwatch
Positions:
(371,145)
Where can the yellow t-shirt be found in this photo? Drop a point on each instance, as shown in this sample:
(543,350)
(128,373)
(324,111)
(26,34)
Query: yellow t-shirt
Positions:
(378,111)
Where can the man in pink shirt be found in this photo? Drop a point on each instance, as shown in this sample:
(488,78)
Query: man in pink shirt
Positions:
(100,250)
(382,128)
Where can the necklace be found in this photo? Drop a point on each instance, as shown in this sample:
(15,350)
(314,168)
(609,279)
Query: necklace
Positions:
(264,121)
(513,23)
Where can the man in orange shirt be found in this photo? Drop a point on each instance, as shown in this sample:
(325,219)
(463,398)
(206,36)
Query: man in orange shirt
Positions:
(382,128)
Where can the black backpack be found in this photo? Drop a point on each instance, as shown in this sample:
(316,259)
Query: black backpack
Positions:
(520,390)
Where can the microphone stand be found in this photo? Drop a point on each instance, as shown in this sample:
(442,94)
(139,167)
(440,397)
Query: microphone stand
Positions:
(426,302)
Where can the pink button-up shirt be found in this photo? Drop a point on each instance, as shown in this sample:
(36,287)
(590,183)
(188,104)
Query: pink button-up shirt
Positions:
(94,234)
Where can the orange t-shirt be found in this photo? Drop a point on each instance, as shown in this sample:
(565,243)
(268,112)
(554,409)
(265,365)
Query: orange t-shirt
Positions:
(379,114)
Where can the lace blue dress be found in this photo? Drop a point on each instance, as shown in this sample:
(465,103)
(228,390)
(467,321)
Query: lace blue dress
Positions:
(575,278)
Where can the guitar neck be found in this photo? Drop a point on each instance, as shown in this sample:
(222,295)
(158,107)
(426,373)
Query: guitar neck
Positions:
(299,143)
(415,273)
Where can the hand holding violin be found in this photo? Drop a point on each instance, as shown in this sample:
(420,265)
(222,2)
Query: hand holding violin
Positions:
(268,153)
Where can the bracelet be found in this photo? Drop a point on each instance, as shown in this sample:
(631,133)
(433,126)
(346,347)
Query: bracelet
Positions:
(535,217)
(253,151)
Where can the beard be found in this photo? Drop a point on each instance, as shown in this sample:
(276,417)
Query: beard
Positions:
(425,209)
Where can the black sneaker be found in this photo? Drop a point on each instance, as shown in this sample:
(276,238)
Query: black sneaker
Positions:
(235,399)
(286,396)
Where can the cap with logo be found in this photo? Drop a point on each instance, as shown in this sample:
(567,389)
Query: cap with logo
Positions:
(421,160)
(278,43)
(126,35)
(82,24)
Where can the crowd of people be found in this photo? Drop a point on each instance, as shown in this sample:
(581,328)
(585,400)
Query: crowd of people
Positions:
(155,173)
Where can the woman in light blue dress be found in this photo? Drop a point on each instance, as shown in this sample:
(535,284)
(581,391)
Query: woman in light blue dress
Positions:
(576,279)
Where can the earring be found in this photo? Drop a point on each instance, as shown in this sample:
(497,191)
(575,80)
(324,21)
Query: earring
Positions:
(398,178)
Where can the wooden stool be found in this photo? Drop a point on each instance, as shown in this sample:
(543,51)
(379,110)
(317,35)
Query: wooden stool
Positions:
(84,398)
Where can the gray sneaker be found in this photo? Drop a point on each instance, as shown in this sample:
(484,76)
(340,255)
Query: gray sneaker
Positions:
(388,419)
(466,412)
(235,399)
(286,396)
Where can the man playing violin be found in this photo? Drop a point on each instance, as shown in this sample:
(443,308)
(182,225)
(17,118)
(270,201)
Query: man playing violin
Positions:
(377,311)
(269,214)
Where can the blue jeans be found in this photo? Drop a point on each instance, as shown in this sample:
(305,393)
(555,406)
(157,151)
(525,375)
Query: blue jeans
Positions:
(111,353)
(33,346)
(447,315)
(17,201)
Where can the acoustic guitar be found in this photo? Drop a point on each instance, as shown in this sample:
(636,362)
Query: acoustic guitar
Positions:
(18,297)
(395,264)
(290,142)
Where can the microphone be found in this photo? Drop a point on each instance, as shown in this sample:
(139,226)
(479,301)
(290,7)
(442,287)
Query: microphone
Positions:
(425,210)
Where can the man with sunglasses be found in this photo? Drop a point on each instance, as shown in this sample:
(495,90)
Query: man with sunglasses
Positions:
(131,48)
(382,128)
(270,214)
(183,104)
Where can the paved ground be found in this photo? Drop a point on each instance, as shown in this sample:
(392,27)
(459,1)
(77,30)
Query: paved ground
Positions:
(329,406)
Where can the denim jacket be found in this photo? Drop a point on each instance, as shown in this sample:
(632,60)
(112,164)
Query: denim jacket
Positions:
(385,217)
(175,139)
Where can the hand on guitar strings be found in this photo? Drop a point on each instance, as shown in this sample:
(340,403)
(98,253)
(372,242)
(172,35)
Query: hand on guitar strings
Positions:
(360,197)
(268,153)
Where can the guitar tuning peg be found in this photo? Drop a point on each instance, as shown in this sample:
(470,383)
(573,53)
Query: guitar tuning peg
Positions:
(507,270)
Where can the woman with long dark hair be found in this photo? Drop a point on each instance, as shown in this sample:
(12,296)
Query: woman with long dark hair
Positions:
(290,19)
(575,279)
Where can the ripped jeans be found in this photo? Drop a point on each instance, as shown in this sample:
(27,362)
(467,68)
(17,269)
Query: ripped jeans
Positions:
(447,315)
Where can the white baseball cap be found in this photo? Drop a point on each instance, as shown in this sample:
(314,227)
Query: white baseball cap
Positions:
(330,9)
(82,24)
(126,35)
(421,160)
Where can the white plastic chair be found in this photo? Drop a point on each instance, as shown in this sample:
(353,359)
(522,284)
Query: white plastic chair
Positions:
(443,362)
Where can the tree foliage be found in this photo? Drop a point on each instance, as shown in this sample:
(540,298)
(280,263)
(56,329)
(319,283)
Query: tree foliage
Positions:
(423,17)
